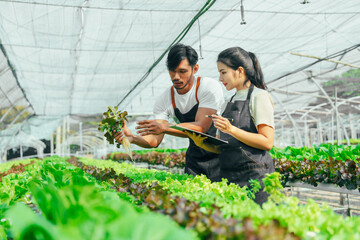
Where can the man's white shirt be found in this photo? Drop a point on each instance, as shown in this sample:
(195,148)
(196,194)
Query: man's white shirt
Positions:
(210,95)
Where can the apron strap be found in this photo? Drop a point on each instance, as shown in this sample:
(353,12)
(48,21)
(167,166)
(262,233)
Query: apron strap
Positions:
(197,87)
(173,93)
(173,97)
(251,88)
(248,97)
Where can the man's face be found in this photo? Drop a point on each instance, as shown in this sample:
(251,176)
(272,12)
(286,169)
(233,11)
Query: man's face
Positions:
(182,76)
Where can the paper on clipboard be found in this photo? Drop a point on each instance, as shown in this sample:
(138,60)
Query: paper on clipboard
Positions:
(209,139)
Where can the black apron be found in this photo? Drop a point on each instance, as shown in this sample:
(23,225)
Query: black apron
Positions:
(198,161)
(239,162)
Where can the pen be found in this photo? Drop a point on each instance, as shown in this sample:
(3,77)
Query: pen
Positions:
(230,119)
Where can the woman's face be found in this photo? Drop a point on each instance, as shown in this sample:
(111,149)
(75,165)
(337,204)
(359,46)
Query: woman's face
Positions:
(231,78)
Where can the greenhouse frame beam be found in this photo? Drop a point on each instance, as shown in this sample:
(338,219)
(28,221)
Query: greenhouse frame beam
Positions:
(12,103)
(344,100)
(78,46)
(342,52)
(7,68)
(18,116)
(89,141)
(13,135)
(9,109)
(334,107)
(14,74)
(179,37)
(324,59)
(292,121)
(356,97)
(315,107)
(311,111)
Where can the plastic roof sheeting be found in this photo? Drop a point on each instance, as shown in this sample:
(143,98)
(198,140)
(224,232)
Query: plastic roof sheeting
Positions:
(78,57)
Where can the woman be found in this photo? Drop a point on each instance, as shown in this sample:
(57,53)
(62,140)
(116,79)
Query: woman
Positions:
(251,131)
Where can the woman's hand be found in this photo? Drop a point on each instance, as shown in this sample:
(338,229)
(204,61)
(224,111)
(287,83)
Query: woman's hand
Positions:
(222,124)
(199,141)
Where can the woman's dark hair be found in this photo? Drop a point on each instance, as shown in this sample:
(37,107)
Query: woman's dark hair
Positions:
(179,52)
(236,57)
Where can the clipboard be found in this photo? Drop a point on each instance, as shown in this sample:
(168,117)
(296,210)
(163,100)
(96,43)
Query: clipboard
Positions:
(209,139)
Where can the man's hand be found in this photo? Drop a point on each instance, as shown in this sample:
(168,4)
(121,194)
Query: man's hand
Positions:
(152,127)
(199,141)
(119,135)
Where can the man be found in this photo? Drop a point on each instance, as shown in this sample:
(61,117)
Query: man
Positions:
(187,102)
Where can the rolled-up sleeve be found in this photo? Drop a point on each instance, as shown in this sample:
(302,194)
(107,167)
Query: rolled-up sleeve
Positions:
(211,95)
(161,108)
(262,108)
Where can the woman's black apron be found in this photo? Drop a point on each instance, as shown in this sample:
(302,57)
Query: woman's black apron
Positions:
(198,161)
(239,162)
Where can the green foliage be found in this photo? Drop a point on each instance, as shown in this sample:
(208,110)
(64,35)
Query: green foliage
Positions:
(351,140)
(7,165)
(352,73)
(84,212)
(303,220)
(273,187)
(159,150)
(113,120)
(74,206)
(254,188)
(316,153)
(168,159)
(334,82)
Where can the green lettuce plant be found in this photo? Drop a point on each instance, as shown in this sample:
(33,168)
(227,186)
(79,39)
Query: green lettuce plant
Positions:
(112,122)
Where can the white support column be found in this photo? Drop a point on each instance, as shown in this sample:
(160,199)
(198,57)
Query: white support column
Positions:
(352,128)
(63,149)
(320,133)
(51,145)
(21,151)
(334,106)
(288,140)
(306,134)
(40,152)
(105,147)
(67,134)
(296,141)
(338,135)
(332,137)
(296,131)
(2,156)
(58,141)
(81,137)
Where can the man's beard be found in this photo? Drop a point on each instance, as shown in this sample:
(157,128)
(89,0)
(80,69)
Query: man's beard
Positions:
(179,88)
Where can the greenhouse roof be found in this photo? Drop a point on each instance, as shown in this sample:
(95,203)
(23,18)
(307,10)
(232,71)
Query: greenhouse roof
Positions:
(65,57)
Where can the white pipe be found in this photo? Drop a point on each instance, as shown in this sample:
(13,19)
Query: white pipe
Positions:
(81,136)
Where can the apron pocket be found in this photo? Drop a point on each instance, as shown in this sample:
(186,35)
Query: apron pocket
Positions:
(239,159)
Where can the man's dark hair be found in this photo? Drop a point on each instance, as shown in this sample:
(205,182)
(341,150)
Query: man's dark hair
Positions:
(179,52)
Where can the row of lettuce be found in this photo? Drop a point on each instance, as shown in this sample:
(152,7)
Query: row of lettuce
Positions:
(96,199)
(58,199)
(324,164)
(53,199)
